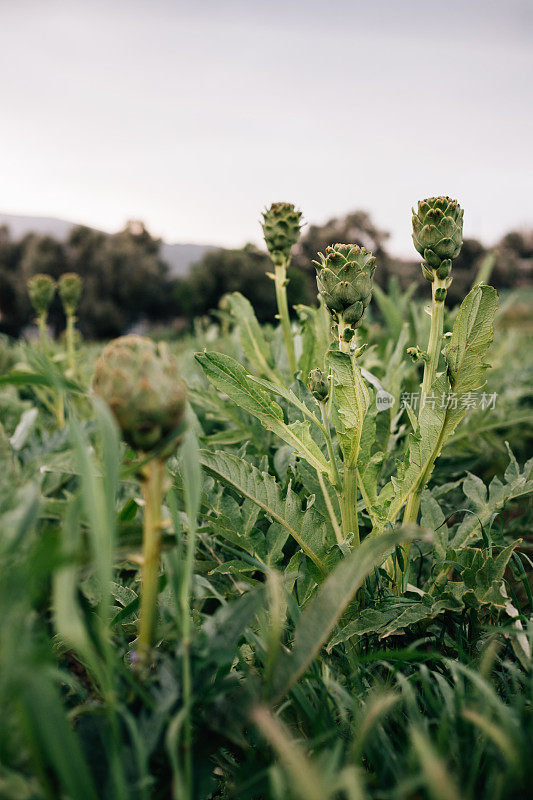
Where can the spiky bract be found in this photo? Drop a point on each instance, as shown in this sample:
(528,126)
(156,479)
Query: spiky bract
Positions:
(438,234)
(344,280)
(281,228)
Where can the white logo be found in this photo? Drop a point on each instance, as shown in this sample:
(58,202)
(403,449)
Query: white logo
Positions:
(384,400)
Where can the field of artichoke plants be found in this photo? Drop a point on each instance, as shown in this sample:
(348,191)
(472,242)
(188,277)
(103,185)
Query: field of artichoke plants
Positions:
(281,561)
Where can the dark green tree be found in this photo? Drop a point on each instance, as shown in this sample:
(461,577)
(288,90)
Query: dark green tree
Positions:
(15,307)
(223,271)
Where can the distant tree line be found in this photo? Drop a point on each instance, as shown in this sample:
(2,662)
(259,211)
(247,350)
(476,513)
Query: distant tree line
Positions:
(126,281)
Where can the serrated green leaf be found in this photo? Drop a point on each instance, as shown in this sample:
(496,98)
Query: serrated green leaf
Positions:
(230,377)
(290,397)
(350,403)
(327,606)
(253,342)
(383,621)
(433,518)
(488,502)
(471,336)
(307,528)
(316,337)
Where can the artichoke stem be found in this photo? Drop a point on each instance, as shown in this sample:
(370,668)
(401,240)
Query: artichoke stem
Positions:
(280,280)
(152,491)
(412,507)
(41,322)
(69,336)
(435,339)
(350,522)
(344,345)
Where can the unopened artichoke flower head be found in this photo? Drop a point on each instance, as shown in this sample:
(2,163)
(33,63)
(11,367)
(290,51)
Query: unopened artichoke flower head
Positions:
(41,289)
(70,286)
(438,234)
(281,228)
(140,381)
(344,279)
(318,385)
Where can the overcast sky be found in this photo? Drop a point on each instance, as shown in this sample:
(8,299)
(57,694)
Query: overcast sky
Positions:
(194,115)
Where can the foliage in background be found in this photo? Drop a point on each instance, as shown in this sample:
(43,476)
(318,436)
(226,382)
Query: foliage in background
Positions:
(124,278)
(127,282)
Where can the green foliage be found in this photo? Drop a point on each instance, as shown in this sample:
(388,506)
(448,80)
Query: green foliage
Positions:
(124,280)
(222,272)
(284,658)
(471,336)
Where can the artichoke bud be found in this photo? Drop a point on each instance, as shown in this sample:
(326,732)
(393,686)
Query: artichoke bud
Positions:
(281,229)
(140,381)
(318,385)
(41,289)
(70,286)
(438,233)
(416,354)
(344,280)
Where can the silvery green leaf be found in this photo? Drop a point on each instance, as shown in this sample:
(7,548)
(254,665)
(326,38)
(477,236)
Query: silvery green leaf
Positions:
(230,377)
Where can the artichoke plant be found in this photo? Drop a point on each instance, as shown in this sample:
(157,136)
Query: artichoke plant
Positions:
(140,381)
(41,289)
(344,280)
(281,228)
(438,234)
(70,286)
(318,385)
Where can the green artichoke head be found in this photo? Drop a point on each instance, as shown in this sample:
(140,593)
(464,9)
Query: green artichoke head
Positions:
(70,285)
(41,289)
(344,279)
(281,229)
(318,385)
(438,234)
(140,381)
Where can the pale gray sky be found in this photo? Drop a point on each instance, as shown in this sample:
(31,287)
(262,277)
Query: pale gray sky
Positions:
(194,115)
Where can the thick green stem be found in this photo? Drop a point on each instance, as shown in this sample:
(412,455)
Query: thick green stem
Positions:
(331,510)
(70,336)
(59,409)
(435,340)
(41,322)
(152,490)
(430,370)
(186,603)
(280,281)
(350,522)
(344,346)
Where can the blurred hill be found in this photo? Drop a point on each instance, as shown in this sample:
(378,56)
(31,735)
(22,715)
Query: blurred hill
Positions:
(179,257)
